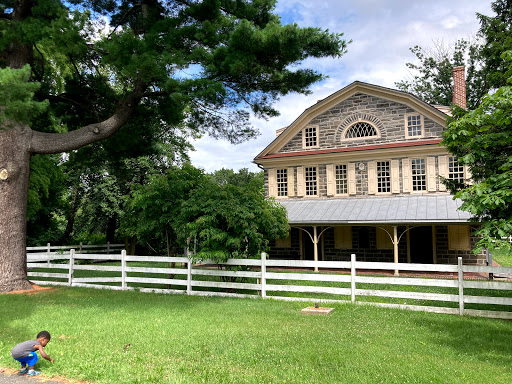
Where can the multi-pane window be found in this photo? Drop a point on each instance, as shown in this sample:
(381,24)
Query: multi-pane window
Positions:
(341,179)
(455,170)
(414,127)
(419,175)
(311,181)
(310,137)
(360,129)
(282,182)
(383,177)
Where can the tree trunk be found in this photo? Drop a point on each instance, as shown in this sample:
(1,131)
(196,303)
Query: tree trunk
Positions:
(14,178)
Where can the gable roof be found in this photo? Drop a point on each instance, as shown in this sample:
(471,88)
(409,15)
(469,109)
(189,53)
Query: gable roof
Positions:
(310,113)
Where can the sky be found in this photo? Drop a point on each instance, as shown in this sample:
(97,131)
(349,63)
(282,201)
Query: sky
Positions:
(382,31)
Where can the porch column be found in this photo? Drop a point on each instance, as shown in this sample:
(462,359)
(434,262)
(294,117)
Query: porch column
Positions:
(395,246)
(315,243)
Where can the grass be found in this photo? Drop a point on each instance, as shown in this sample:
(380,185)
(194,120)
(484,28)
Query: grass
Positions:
(503,257)
(131,337)
(389,287)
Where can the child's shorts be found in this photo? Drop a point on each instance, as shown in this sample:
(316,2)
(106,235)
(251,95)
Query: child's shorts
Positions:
(30,360)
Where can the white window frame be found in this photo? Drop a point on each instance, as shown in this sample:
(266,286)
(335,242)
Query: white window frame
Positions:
(336,179)
(308,181)
(305,131)
(422,126)
(376,136)
(415,176)
(378,178)
(453,163)
(282,184)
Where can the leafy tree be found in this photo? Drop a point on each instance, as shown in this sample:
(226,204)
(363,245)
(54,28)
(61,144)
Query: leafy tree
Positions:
(432,78)
(152,209)
(229,221)
(482,139)
(497,34)
(241,178)
(67,81)
(46,200)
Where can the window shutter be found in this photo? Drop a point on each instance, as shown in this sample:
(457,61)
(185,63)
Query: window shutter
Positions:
(384,235)
(431,174)
(395,176)
(458,237)
(300,182)
(351,178)
(330,179)
(343,237)
(406,175)
(372,177)
(291,182)
(284,243)
(272,183)
(467,174)
(443,171)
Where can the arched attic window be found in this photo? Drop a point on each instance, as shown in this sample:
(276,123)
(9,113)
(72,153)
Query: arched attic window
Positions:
(360,130)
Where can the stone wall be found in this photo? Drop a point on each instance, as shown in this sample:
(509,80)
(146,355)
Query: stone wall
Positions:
(387,116)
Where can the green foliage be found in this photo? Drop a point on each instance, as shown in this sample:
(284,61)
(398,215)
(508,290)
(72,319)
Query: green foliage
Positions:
(241,178)
(432,78)
(229,221)
(482,139)
(152,209)
(46,200)
(486,68)
(497,33)
(206,63)
(16,96)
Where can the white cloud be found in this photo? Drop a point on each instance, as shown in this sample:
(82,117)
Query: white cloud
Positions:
(382,32)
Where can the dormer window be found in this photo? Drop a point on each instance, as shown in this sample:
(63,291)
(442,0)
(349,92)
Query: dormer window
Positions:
(413,125)
(310,137)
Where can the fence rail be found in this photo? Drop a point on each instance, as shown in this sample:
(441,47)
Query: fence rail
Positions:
(182,275)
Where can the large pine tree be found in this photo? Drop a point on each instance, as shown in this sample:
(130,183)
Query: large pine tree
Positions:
(74,72)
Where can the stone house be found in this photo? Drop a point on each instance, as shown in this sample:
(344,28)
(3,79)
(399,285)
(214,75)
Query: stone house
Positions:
(358,172)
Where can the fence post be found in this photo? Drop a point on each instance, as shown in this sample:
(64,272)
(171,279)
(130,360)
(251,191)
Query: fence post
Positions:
(108,247)
(71,265)
(263,273)
(353,278)
(189,274)
(80,248)
(461,286)
(48,252)
(123,269)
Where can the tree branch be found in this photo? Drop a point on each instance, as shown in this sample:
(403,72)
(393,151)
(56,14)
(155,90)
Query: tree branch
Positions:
(46,143)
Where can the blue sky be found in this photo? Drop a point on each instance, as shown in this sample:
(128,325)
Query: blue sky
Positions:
(382,31)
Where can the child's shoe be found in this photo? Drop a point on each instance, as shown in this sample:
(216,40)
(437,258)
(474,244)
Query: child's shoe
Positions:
(23,371)
(33,373)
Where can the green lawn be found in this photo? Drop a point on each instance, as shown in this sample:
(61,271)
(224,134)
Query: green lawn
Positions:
(503,257)
(132,337)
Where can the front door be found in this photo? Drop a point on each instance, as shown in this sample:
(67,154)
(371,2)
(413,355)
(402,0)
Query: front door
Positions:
(421,245)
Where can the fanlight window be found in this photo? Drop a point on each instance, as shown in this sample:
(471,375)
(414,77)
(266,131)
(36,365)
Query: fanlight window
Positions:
(359,130)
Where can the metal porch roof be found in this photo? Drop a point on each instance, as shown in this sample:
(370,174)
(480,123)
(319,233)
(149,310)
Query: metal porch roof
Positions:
(414,209)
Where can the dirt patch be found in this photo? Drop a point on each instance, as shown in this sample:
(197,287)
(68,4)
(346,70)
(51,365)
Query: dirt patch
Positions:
(35,289)
(39,379)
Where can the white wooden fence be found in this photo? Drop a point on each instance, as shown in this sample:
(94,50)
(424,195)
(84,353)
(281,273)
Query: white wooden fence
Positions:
(44,253)
(263,277)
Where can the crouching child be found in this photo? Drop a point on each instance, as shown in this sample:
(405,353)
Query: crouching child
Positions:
(26,354)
